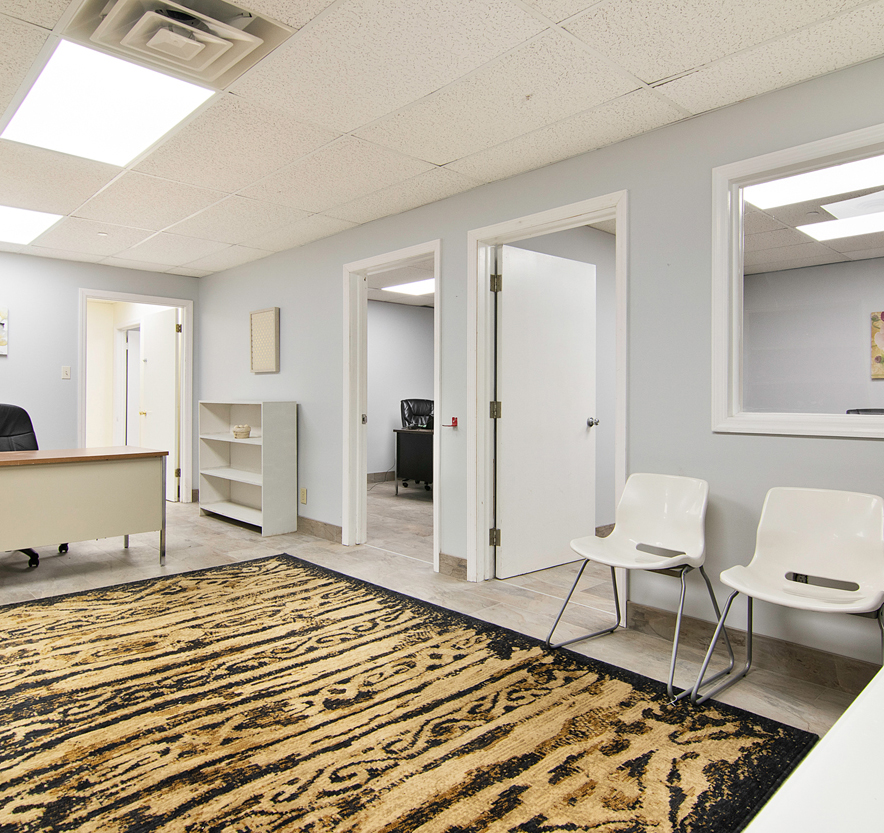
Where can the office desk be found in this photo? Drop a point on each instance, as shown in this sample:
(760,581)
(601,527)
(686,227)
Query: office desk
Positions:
(414,455)
(52,497)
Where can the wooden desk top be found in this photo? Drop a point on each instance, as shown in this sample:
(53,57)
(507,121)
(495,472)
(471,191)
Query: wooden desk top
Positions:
(75,455)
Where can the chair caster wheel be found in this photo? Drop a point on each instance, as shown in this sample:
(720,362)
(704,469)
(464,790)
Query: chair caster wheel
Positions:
(427,488)
(33,560)
(404,485)
(62,548)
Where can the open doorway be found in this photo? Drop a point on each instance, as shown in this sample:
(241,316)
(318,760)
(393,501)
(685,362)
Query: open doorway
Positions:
(391,354)
(135,391)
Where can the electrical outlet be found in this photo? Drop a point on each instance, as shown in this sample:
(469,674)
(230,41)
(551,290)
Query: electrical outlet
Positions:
(303,495)
(65,372)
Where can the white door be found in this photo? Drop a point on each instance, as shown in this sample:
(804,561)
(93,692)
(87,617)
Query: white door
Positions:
(545,481)
(133,387)
(160,390)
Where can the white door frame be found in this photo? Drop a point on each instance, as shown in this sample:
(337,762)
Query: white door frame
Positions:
(186,416)
(354,527)
(480,244)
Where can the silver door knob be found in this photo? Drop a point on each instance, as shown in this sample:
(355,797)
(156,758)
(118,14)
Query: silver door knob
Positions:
(591,421)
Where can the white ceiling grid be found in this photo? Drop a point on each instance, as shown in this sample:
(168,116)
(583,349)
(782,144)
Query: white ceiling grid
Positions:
(374,107)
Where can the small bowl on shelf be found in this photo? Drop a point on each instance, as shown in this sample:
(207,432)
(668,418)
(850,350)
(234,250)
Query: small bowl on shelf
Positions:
(241,432)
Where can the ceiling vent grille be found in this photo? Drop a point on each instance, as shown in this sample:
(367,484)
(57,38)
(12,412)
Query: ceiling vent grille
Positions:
(211,41)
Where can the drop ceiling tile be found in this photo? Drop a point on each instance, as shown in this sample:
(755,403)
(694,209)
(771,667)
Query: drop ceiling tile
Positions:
(803,251)
(756,221)
(62,254)
(336,174)
(866,254)
(90,237)
(559,10)
(382,55)
(428,187)
(838,43)
(611,122)
(45,13)
(295,15)
(44,180)
(13,248)
(305,231)
(544,81)
(797,263)
(228,258)
(140,265)
(656,39)
(232,144)
(20,44)
(147,202)
(187,272)
(236,219)
(167,250)
(773,239)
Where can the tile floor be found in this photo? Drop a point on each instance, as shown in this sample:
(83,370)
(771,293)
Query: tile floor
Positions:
(400,546)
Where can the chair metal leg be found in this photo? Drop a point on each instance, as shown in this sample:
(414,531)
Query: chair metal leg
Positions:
(695,693)
(881,625)
(614,627)
(669,688)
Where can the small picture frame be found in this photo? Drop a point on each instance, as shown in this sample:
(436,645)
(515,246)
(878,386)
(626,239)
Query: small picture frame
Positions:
(265,340)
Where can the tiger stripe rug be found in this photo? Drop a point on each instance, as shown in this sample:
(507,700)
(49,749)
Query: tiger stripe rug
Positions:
(275,695)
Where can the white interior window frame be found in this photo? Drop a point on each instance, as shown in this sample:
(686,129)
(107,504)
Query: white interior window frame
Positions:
(728,415)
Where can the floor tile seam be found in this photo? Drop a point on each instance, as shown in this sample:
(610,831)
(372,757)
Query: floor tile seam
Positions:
(399,554)
(557,598)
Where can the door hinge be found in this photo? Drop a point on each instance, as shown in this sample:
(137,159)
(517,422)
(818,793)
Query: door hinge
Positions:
(494,537)
(177,472)
(178,328)
(495,410)
(365,419)
(496,283)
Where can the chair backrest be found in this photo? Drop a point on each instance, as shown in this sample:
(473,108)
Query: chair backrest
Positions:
(664,511)
(821,532)
(417,413)
(16,431)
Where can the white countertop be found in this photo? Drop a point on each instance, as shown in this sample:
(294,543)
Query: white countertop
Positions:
(839,785)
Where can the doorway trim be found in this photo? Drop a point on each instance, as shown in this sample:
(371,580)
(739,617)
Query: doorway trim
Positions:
(480,247)
(186,416)
(354,526)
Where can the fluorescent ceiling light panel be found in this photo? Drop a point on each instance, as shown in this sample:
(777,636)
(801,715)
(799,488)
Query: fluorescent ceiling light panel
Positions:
(868,204)
(18,225)
(93,105)
(427,287)
(850,227)
(826,182)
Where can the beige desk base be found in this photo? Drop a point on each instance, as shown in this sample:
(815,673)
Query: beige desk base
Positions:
(52,497)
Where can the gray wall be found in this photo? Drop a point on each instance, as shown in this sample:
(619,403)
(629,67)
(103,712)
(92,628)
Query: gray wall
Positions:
(807,338)
(43,299)
(667,175)
(400,366)
(590,245)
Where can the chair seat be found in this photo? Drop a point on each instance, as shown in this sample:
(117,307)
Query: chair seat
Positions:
(801,596)
(622,552)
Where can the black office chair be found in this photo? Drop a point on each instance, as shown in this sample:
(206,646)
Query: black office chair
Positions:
(17,434)
(417,413)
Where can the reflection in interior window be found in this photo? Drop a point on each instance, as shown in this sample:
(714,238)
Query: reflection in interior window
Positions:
(813,276)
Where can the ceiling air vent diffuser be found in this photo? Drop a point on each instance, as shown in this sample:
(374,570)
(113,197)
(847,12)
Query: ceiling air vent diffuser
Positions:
(211,41)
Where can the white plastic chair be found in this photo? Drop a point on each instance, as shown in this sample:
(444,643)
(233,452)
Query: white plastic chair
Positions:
(659,527)
(816,549)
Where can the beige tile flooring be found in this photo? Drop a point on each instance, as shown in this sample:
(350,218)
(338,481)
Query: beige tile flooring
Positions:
(527,604)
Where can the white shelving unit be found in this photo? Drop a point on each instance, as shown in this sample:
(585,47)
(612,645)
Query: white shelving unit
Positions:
(253,480)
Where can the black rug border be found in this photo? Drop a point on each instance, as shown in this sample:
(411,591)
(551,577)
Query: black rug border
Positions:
(599,666)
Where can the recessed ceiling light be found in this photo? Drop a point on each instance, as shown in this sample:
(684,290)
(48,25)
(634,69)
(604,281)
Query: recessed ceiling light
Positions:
(427,287)
(868,204)
(826,182)
(18,225)
(849,227)
(93,105)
